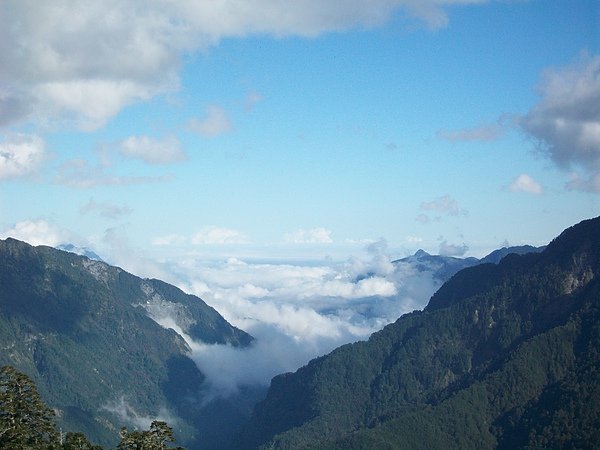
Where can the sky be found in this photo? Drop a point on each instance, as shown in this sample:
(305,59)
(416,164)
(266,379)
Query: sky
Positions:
(263,154)
(306,129)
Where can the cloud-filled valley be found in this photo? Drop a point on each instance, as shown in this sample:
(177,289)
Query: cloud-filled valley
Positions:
(296,312)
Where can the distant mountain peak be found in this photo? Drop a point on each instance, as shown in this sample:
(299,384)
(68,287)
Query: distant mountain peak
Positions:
(421,253)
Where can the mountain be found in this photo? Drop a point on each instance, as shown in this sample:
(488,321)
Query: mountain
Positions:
(504,356)
(83,251)
(89,335)
(496,256)
(443,267)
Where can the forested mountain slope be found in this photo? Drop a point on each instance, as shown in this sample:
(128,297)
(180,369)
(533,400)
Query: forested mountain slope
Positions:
(87,334)
(504,356)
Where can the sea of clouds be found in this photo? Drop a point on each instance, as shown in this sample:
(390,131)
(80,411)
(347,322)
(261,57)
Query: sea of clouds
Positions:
(296,311)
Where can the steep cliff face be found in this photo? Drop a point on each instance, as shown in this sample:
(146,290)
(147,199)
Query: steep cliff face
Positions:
(503,356)
(89,334)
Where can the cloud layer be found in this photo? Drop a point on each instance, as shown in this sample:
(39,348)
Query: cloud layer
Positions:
(84,63)
(566,121)
(296,312)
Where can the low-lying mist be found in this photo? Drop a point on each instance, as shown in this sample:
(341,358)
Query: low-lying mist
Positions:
(295,311)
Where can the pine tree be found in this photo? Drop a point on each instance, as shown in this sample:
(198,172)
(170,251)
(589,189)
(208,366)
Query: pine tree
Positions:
(25,421)
(78,441)
(156,438)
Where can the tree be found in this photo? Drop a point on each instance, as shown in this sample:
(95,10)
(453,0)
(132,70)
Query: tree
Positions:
(156,438)
(25,421)
(78,441)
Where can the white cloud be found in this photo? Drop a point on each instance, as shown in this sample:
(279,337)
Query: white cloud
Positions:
(85,62)
(444,205)
(566,120)
(213,235)
(21,155)
(152,151)
(38,232)
(524,183)
(215,122)
(318,235)
(90,102)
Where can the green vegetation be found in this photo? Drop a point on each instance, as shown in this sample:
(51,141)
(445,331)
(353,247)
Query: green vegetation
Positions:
(82,331)
(27,423)
(504,356)
(156,438)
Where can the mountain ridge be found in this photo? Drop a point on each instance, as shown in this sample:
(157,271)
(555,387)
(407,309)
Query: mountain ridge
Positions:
(484,357)
(90,336)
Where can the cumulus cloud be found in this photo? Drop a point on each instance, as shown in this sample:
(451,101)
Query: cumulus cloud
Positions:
(105,209)
(318,235)
(566,121)
(212,235)
(524,183)
(90,103)
(21,155)
(152,151)
(215,122)
(38,232)
(85,63)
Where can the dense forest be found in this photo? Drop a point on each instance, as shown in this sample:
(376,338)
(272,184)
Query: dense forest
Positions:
(26,422)
(504,356)
(86,333)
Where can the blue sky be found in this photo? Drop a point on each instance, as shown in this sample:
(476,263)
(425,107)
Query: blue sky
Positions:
(309,129)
